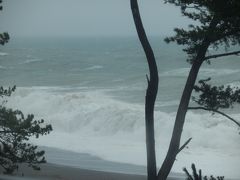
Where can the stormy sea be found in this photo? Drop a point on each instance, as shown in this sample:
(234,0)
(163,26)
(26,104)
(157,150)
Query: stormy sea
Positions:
(92,91)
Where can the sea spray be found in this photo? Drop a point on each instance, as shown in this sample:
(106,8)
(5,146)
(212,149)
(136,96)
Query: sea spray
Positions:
(96,123)
(92,91)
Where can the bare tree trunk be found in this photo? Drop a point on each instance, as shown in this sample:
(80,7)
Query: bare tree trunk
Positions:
(179,122)
(150,94)
(174,146)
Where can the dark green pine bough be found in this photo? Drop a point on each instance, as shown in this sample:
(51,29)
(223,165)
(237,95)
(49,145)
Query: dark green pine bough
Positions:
(15,131)
(218,25)
(4,37)
(198,175)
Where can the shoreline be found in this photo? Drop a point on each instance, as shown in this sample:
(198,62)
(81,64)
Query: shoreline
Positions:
(59,172)
(67,165)
(90,162)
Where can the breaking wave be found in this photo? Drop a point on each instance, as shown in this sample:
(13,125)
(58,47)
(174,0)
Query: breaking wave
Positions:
(31,61)
(93,122)
(3,54)
(3,67)
(94,67)
(208,72)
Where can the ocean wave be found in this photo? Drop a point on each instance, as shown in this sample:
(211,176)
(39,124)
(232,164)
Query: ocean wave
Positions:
(218,72)
(167,103)
(176,72)
(208,72)
(94,67)
(3,67)
(3,54)
(93,122)
(30,61)
(93,111)
(80,109)
(234,84)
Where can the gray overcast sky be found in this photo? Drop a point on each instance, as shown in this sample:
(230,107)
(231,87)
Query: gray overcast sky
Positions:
(86,17)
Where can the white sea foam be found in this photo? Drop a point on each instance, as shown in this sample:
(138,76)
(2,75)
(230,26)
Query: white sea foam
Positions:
(92,122)
(208,72)
(31,61)
(234,84)
(167,103)
(3,54)
(176,72)
(217,72)
(94,67)
(3,67)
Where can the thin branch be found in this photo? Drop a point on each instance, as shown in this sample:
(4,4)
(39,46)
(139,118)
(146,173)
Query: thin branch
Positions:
(184,145)
(147,79)
(188,174)
(224,35)
(216,111)
(6,132)
(3,166)
(222,55)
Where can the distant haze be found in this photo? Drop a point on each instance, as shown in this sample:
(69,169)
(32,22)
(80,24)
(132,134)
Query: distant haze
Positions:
(81,18)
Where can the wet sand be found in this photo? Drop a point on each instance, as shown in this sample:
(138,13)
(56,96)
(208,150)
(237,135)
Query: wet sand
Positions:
(58,172)
(67,165)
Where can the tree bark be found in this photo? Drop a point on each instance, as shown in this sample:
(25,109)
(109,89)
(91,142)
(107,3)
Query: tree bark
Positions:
(216,111)
(179,122)
(183,106)
(150,94)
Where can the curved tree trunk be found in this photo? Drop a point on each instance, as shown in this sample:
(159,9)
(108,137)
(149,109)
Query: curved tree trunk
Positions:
(150,94)
(179,122)
(174,146)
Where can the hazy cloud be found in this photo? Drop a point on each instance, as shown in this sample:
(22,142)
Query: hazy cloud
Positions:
(85,17)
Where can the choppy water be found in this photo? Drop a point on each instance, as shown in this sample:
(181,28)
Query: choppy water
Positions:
(92,92)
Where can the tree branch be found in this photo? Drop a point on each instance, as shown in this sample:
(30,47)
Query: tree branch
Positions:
(6,132)
(3,166)
(216,111)
(222,55)
(148,81)
(184,145)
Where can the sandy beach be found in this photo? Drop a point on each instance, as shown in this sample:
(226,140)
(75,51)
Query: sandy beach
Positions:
(58,172)
(67,165)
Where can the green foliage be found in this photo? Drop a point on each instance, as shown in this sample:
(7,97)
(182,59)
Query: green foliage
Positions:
(0,5)
(15,131)
(216,97)
(7,92)
(198,175)
(4,37)
(217,24)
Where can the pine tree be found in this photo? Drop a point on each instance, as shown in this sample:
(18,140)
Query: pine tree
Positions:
(198,175)
(15,131)
(218,25)
(4,37)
